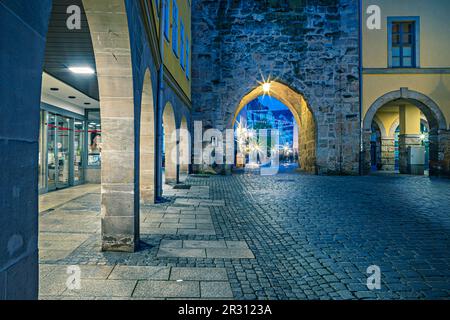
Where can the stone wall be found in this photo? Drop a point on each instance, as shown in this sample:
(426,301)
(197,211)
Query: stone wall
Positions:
(445,152)
(440,147)
(307,140)
(310,46)
(387,154)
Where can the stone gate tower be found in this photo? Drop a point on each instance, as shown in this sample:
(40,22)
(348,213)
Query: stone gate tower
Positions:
(310,47)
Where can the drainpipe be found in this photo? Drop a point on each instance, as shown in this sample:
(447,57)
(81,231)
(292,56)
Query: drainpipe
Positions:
(360,43)
(160,106)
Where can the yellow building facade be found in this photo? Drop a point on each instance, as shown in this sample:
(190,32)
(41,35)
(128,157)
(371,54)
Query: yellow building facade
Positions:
(406,81)
(177,39)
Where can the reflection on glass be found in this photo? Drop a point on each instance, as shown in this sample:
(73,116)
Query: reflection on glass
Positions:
(95,139)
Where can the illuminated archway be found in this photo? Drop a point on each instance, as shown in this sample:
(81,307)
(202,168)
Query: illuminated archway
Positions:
(304,117)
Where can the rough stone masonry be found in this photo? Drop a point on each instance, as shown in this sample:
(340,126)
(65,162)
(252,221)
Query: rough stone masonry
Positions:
(309,45)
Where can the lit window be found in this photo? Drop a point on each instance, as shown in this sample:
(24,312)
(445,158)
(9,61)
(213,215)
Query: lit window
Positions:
(175,28)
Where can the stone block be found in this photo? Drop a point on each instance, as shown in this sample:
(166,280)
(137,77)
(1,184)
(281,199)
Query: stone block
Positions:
(167,289)
(181,253)
(103,288)
(171,244)
(139,273)
(192,244)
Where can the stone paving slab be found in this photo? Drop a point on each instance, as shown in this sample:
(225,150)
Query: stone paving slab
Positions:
(140,273)
(165,243)
(104,288)
(98,272)
(50,200)
(58,245)
(199,202)
(178,226)
(204,249)
(54,255)
(192,244)
(159,231)
(196,232)
(54,286)
(181,253)
(167,289)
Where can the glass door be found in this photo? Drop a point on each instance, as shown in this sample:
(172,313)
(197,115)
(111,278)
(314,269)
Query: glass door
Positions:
(43,133)
(51,150)
(78,147)
(63,152)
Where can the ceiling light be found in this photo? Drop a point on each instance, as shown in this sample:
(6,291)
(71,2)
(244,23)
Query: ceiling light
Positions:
(82,70)
(54,89)
(71,97)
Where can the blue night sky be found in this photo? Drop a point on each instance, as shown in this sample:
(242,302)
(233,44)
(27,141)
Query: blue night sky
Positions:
(273,103)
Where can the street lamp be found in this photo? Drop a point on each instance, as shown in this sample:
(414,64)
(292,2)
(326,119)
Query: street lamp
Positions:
(266,87)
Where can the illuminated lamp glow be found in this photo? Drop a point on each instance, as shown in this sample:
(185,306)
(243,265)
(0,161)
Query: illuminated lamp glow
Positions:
(266,87)
(82,70)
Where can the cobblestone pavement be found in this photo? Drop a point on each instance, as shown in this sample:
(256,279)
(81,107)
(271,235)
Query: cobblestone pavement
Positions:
(289,236)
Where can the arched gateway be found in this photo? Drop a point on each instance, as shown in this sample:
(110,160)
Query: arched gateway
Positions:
(435,121)
(304,117)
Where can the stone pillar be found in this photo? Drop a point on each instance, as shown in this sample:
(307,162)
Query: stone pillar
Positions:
(184,148)
(147,156)
(120,197)
(367,161)
(388,154)
(171,159)
(23,29)
(444,154)
(410,135)
(440,153)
